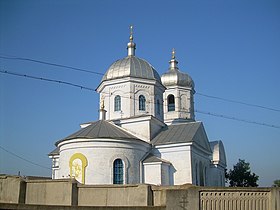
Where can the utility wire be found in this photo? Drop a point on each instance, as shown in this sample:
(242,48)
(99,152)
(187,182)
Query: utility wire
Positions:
(51,64)
(94,72)
(28,161)
(237,119)
(238,102)
(48,80)
(91,89)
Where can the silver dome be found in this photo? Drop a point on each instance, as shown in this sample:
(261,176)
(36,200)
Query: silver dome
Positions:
(175,77)
(131,66)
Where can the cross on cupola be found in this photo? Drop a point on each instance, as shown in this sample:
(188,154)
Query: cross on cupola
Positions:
(131,46)
(173,62)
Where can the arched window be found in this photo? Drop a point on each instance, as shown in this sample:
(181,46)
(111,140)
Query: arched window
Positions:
(171,103)
(117,103)
(118,172)
(142,103)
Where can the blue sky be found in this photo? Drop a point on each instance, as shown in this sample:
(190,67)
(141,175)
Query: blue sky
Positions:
(231,49)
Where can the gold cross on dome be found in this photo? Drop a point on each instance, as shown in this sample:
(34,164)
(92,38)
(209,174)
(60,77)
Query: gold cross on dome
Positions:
(173,53)
(131,32)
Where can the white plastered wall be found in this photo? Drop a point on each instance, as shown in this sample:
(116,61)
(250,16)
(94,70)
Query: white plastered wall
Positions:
(156,173)
(184,105)
(180,158)
(201,172)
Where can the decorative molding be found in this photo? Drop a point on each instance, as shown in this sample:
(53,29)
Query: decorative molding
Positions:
(142,86)
(117,87)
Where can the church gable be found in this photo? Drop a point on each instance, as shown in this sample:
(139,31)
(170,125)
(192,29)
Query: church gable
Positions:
(201,138)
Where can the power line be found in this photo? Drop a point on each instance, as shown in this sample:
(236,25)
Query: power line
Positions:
(51,64)
(28,161)
(91,89)
(237,119)
(238,102)
(9,57)
(48,80)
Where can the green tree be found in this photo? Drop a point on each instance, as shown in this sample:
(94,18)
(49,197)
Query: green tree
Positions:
(276,183)
(241,176)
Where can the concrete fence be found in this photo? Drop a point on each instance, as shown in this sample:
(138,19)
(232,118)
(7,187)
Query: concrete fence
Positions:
(241,199)
(21,193)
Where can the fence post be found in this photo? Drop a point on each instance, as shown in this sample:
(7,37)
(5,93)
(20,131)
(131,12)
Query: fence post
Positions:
(275,198)
(186,199)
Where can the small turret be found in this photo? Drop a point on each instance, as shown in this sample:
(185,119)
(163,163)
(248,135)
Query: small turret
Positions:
(178,97)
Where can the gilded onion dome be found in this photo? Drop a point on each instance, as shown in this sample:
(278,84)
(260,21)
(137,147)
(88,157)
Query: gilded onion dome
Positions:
(131,66)
(174,77)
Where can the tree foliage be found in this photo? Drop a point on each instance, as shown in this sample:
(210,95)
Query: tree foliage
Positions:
(276,183)
(241,176)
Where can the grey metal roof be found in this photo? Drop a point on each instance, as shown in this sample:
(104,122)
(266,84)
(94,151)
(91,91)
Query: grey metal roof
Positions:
(100,129)
(153,159)
(54,152)
(183,133)
(131,66)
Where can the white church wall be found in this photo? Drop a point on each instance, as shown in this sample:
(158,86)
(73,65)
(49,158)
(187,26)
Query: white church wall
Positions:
(122,89)
(156,173)
(100,155)
(201,168)
(170,114)
(152,173)
(55,167)
(180,158)
(165,174)
(139,127)
(146,91)
(183,103)
(155,127)
(159,110)
(143,127)
(152,92)
(216,176)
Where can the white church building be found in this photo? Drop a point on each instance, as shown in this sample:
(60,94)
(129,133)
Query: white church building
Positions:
(147,132)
